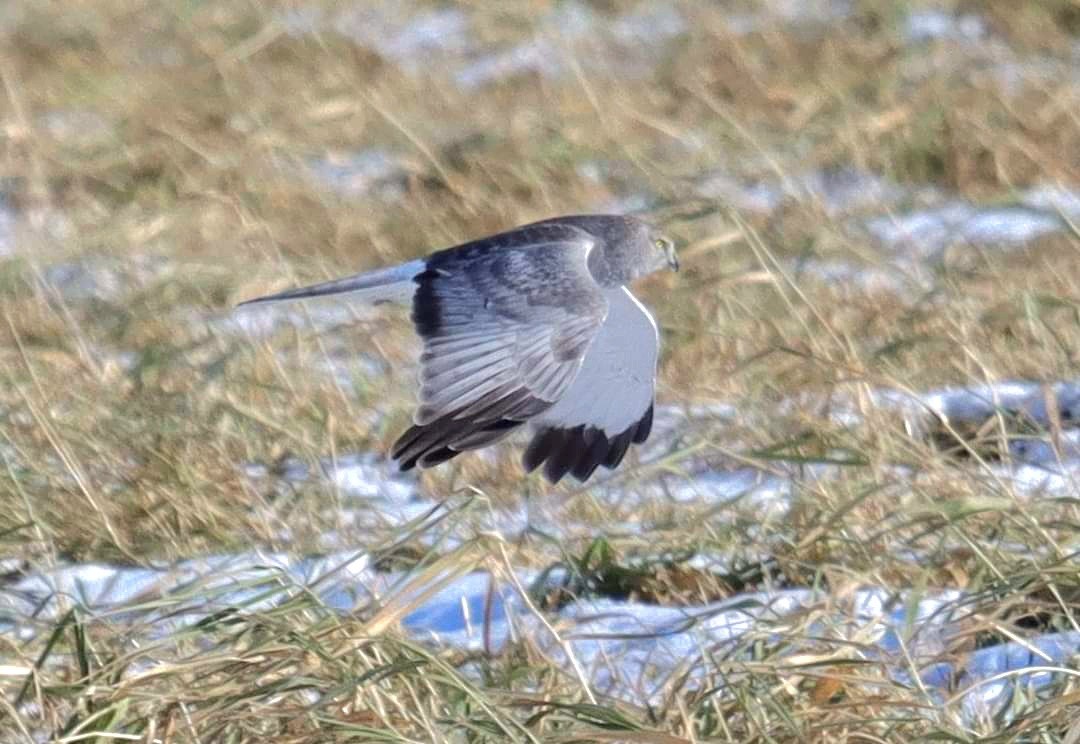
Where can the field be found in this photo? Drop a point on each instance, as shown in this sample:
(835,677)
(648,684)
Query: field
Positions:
(858,516)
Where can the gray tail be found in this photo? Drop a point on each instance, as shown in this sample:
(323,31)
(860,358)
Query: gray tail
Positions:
(393,284)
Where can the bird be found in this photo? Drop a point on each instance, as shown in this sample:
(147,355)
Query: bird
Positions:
(535,325)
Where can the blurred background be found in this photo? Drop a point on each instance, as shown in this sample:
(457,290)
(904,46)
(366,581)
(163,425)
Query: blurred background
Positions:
(869,358)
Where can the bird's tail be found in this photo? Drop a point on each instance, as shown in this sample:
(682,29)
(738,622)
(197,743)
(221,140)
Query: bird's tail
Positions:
(393,284)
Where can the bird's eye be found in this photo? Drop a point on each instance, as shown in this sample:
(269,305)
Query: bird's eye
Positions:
(660,243)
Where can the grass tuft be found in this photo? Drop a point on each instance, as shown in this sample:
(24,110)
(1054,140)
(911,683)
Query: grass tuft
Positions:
(161,162)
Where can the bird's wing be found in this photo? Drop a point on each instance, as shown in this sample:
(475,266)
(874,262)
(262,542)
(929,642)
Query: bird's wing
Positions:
(506,322)
(392,284)
(609,405)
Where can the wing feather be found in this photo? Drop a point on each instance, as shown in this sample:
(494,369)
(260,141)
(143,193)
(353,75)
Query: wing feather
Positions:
(506,322)
(609,405)
(462,384)
(445,358)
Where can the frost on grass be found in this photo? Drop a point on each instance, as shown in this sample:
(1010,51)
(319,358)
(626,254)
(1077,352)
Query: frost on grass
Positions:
(859,199)
(934,24)
(200,586)
(995,677)
(633,650)
(356,174)
(837,191)
(541,55)
(317,316)
(372,494)
(1054,198)
(927,233)
(22,229)
(626,649)
(412,39)
(1026,434)
(1043,404)
(746,196)
(813,16)
(627,46)
(629,650)
(409,39)
(7,226)
(401,33)
(859,239)
(844,276)
(77,128)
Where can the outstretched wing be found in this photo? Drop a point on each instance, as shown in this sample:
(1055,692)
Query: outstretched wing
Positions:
(506,322)
(609,405)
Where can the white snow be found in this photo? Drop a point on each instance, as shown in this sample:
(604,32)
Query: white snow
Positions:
(932,24)
(354,174)
(926,233)
(632,650)
(627,649)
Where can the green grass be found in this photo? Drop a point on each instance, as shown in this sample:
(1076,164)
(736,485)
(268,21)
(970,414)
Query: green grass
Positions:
(127,413)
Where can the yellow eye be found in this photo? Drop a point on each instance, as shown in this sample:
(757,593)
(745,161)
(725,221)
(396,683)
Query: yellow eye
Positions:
(661,244)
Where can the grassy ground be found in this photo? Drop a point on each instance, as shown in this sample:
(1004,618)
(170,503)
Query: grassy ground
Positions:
(159,149)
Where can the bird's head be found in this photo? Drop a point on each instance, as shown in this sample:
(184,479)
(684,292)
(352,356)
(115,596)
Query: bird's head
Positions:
(662,250)
(627,248)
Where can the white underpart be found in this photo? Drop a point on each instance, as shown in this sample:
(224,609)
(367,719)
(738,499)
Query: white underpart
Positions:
(616,382)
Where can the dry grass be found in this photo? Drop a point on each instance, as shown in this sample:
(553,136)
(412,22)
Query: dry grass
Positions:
(128,409)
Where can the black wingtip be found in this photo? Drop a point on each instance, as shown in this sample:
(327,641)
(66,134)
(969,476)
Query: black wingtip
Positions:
(591,456)
(427,304)
(436,442)
(563,459)
(580,450)
(620,445)
(539,449)
(644,426)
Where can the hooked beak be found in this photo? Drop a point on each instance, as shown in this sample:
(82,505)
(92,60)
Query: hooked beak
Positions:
(672,259)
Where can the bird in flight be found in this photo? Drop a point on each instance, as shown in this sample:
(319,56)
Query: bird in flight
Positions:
(534,325)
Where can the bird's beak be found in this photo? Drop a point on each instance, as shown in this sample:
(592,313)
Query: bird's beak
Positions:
(672,259)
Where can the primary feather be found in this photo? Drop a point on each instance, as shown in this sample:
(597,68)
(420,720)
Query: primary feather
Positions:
(531,325)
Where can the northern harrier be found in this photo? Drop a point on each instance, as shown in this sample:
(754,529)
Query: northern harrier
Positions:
(535,325)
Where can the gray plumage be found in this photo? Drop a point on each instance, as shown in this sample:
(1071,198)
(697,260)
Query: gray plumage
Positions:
(531,325)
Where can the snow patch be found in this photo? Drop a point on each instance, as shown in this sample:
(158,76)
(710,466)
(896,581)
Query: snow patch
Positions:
(353,174)
(927,233)
(932,24)
(631,650)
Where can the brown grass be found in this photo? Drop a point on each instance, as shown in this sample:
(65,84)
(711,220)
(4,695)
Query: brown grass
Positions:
(128,409)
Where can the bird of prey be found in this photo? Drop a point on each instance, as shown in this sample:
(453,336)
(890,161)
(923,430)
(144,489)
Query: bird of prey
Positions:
(534,325)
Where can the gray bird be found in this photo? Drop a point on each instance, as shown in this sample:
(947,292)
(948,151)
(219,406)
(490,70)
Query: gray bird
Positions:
(535,325)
